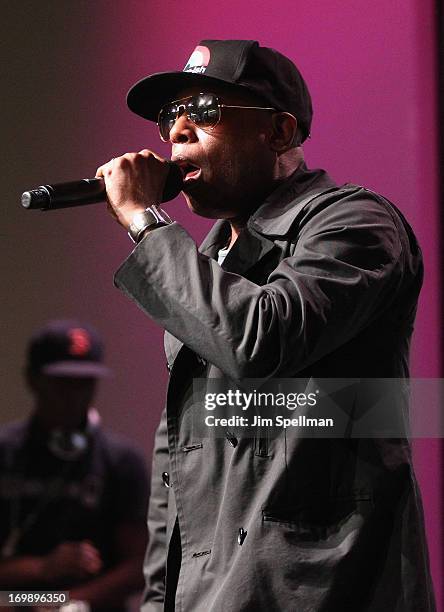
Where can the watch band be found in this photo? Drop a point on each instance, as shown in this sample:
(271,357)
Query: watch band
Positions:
(150,218)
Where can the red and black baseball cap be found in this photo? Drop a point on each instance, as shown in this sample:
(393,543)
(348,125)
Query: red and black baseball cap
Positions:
(67,348)
(240,63)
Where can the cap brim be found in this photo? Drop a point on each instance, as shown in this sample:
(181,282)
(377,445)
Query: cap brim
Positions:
(147,97)
(73,369)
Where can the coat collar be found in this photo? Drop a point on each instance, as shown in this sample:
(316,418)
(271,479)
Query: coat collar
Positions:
(276,215)
(279,211)
(273,218)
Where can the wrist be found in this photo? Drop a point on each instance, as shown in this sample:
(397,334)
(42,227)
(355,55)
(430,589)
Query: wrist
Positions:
(125,218)
(145,221)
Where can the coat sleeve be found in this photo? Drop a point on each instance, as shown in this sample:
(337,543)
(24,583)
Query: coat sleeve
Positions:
(154,567)
(345,265)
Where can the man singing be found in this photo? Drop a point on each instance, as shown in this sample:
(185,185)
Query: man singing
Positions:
(298,278)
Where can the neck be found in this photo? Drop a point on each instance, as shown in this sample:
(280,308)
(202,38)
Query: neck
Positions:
(286,165)
(237,225)
(49,419)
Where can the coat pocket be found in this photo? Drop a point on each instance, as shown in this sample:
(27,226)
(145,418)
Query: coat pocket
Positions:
(319,518)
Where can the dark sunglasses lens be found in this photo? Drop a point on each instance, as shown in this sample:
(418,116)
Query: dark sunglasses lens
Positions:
(167,118)
(203,110)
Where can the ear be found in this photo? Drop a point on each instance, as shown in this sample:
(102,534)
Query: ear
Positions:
(284,132)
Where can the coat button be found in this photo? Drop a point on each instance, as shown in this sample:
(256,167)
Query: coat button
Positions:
(242,534)
(166,479)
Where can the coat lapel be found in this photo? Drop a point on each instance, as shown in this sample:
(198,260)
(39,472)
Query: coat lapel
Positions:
(247,251)
(273,219)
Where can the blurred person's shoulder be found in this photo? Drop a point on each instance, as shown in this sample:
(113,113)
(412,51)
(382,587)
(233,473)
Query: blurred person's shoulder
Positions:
(13,433)
(117,446)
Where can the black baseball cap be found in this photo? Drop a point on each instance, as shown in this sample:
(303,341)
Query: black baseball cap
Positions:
(67,348)
(240,63)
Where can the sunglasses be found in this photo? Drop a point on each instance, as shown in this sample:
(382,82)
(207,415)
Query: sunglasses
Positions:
(203,109)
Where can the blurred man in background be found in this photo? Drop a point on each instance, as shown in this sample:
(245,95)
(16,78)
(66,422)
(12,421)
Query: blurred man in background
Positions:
(73,497)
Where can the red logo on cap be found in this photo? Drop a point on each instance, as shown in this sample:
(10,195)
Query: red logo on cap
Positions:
(199,60)
(80,342)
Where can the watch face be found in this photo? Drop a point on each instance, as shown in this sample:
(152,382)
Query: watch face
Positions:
(149,218)
(141,219)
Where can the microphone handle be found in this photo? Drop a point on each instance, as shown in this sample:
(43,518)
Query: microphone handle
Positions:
(65,195)
(88,191)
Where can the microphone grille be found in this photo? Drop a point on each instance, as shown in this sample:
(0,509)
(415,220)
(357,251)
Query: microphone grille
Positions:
(36,198)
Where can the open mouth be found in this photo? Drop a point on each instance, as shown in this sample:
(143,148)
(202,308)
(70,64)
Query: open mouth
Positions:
(190,172)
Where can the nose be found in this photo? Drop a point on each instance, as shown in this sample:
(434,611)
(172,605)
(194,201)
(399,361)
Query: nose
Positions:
(183,130)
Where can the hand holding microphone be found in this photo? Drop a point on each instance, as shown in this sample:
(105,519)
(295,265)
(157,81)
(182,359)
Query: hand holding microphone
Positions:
(133,182)
(89,191)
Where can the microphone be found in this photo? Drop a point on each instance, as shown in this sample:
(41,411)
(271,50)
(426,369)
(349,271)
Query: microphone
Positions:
(89,191)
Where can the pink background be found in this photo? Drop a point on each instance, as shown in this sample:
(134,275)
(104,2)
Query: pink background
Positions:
(370,67)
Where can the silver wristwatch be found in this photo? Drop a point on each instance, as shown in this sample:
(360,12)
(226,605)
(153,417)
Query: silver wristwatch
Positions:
(150,218)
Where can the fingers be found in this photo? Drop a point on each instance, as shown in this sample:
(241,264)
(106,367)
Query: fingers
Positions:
(148,153)
(90,556)
(72,559)
(133,181)
(105,169)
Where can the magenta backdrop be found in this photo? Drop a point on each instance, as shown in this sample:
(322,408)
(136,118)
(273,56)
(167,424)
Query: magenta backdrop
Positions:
(370,67)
